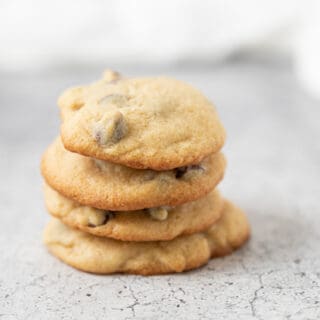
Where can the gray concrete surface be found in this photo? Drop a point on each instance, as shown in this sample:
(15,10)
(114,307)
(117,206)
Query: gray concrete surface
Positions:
(273,174)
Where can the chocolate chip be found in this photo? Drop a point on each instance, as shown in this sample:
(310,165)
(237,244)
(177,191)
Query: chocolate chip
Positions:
(107,216)
(110,129)
(180,172)
(120,129)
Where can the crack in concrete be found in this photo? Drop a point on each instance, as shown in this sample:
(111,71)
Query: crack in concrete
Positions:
(256,297)
(135,303)
(174,291)
(132,295)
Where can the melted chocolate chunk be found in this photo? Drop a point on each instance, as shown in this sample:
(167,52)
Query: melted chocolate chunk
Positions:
(180,172)
(110,130)
(108,216)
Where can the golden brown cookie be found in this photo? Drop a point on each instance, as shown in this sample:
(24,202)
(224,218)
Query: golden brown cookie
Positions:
(105,185)
(143,225)
(102,255)
(157,123)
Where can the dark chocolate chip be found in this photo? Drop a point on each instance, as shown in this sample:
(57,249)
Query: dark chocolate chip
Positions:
(111,129)
(108,216)
(179,172)
(119,130)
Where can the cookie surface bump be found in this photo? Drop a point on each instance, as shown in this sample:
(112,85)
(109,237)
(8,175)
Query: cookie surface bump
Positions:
(102,255)
(157,123)
(105,185)
(136,225)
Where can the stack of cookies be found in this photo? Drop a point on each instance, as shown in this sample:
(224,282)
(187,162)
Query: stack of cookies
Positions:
(131,181)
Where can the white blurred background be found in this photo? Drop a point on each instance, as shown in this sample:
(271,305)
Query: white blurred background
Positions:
(39,34)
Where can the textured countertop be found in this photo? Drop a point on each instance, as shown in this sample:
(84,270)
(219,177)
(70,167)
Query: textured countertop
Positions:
(273,153)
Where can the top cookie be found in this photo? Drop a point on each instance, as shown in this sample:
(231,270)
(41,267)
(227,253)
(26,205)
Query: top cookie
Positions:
(157,123)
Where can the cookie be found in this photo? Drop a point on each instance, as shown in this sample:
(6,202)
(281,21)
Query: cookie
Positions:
(144,225)
(145,123)
(109,186)
(103,255)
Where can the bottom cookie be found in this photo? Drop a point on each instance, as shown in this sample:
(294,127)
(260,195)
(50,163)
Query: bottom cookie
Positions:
(103,255)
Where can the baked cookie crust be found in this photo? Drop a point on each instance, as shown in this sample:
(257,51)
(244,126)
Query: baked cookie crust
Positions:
(145,123)
(138,225)
(104,185)
(102,255)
